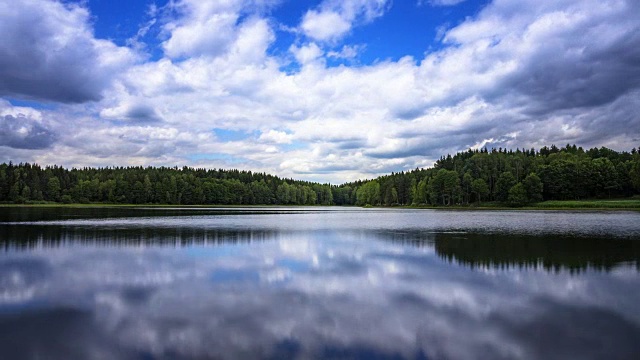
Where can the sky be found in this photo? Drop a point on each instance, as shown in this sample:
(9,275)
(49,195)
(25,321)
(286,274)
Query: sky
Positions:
(323,90)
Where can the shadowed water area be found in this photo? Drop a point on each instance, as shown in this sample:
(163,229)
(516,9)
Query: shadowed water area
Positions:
(347,283)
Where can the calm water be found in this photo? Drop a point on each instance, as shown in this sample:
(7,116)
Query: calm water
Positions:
(309,283)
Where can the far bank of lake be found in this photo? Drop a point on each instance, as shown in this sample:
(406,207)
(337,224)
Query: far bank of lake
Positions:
(600,204)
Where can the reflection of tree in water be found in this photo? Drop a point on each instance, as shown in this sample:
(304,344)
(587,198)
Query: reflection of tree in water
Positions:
(27,237)
(476,250)
(551,253)
(31,214)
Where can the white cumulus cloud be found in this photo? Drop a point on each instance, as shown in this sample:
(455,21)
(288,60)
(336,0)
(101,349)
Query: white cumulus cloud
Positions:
(333,19)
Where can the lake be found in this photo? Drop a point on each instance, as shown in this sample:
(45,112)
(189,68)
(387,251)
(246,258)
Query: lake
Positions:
(308,283)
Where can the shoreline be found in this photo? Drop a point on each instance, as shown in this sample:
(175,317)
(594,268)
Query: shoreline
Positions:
(569,205)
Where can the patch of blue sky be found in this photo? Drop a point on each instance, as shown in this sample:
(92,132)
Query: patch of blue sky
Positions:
(290,12)
(128,23)
(280,49)
(232,135)
(285,18)
(38,105)
(290,68)
(295,145)
(409,29)
(119,20)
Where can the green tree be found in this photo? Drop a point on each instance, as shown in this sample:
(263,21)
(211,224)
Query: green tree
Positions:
(137,193)
(634,173)
(560,179)
(421,196)
(108,190)
(283,194)
(368,194)
(467,180)
(518,195)
(327,195)
(445,187)
(505,182)
(311,198)
(391,196)
(533,186)
(14,193)
(606,176)
(480,188)
(25,194)
(53,189)
(147,190)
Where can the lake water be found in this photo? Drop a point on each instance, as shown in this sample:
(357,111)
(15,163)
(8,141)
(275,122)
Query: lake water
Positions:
(307,283)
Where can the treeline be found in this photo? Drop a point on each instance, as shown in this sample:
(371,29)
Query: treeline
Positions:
(137,185)
(514,178)
(509,177)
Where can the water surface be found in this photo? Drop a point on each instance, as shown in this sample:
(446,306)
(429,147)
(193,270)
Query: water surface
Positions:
(263,283)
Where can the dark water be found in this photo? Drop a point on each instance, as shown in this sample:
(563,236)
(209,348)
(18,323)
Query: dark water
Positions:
(269,283)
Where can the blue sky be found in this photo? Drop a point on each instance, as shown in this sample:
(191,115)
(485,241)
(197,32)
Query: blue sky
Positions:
(322,90)
(408,28)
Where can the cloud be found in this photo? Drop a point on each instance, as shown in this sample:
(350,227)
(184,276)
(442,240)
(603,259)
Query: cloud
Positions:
(48,52)
(324,26)
(348,52)
(204,27)
(307,53)
(212,28)
(130,143)
(560,56)
(25,128)
(276,137)
(334,19)
(133,111)
(141,113)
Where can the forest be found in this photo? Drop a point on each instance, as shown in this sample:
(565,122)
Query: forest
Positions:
(509,177)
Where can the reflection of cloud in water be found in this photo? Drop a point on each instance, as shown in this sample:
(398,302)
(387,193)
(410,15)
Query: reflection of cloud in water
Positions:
(20,279)
(381,300)
(260,291)
(475,248)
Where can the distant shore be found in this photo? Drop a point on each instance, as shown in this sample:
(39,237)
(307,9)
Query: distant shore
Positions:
(615,204)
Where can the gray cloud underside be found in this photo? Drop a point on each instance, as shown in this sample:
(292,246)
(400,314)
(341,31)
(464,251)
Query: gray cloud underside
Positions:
(24,133)
(47,52)
(554,80)
(142,113)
